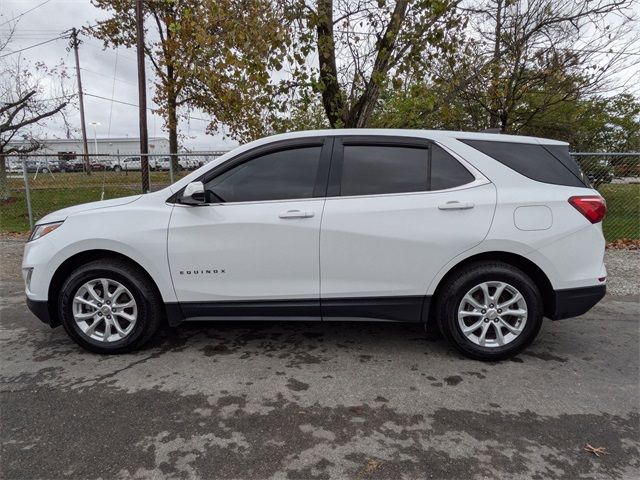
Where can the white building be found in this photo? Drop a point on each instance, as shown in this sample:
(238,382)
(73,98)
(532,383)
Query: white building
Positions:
(110,146)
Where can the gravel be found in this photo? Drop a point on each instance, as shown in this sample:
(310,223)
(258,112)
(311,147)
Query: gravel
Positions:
(623,272)
(623,266)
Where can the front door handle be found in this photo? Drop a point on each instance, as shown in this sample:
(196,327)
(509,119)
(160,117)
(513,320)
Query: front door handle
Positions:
(455,205)
(296,214)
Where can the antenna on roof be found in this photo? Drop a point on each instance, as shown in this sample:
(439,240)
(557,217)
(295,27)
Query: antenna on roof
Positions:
(491,130)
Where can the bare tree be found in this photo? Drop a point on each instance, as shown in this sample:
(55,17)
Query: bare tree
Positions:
(30,95)
(555,51)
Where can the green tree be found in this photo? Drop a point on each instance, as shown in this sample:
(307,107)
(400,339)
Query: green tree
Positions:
(208,54)
(363,46)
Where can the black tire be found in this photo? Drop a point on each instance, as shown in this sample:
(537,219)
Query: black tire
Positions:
(117,168)
(456,287)
(145,294)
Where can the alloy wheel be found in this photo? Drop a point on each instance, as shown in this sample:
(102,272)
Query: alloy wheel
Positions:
(492,314)
(104,310)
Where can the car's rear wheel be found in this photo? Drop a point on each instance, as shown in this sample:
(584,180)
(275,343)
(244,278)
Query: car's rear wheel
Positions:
(490,311)
(108,306)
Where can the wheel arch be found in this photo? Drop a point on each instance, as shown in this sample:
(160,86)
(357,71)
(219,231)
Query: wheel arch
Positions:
(528,267)
(78,259)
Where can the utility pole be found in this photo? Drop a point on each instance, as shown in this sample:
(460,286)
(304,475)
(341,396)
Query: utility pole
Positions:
(142,99)
(85,149)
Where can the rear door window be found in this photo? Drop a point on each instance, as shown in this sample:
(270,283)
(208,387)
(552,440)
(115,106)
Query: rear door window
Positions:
(373,170)
(387,169)
(446,171)
(534,161)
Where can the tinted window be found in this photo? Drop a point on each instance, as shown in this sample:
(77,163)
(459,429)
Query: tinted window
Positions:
(533,161)
(371,170)
(561,152)
(287,174)
(446,171)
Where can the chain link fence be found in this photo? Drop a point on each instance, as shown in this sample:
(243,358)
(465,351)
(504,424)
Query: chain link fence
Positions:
(617,177)
(40,184)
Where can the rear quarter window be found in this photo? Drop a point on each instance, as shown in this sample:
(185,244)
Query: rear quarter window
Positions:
(543,163)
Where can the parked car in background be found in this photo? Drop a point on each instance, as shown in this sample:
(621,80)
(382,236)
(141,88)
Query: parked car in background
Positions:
(159,163)
(42,166)
(477,235)
(99,165)
(77,165)
(189,163)
(598,170)
(13,165)
(163,163)
(127,164)
(73,165)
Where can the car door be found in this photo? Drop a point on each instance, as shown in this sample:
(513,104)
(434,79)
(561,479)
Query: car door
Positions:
(397,210)
(253,250)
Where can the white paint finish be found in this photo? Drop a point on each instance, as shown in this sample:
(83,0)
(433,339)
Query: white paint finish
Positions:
(575,260)
(394,244)
(264,255)
(378,245)
(533,217)
(136,229)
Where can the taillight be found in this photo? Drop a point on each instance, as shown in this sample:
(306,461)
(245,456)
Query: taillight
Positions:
(593,207)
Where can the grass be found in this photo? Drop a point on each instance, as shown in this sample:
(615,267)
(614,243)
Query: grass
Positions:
(49,193)
(96,179)
(60,190)
(623,211)
(14,216)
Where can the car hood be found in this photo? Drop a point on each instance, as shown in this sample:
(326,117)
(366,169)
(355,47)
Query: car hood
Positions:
(60,215)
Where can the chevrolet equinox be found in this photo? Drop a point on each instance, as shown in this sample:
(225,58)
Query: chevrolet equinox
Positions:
(479,235)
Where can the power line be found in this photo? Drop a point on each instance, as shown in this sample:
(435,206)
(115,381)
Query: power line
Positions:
(32,46)
(117,79)
(137,106)
(25,12)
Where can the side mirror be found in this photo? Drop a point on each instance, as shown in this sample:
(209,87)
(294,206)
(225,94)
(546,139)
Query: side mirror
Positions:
(193,194)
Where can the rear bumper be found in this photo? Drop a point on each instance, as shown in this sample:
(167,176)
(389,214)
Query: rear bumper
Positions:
(573,302)
(40,308)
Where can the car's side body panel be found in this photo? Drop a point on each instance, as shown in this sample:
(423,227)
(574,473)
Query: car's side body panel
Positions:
(109,229)
(392,245)
(569,250)
(362,257)
(245,251)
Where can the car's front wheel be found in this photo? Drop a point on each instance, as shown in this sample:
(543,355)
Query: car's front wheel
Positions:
(108,306)
(490,311)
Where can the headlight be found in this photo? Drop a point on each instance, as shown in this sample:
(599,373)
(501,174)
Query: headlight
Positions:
(44,229)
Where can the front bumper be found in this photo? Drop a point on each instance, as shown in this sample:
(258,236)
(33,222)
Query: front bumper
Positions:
(573,302)
(40,308)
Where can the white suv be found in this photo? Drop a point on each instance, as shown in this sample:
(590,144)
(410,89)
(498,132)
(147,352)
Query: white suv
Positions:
(479,235)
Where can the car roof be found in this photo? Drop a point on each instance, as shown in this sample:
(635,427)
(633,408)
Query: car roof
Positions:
(430,134)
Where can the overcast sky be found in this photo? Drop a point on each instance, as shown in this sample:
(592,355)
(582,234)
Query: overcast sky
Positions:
(98,67)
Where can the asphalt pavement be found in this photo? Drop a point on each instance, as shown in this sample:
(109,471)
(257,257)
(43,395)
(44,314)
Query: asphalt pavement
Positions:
(319,401)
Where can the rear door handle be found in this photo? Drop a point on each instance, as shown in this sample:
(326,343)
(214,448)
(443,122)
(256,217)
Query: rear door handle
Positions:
(455,205)
(296,214)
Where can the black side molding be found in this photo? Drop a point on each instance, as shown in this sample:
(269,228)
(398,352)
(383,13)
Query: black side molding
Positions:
(391,309)
(252,310)
(574,302)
